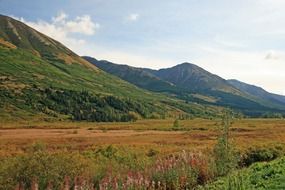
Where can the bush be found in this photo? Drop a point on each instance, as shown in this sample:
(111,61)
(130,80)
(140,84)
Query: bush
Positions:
(261,154)
(224,153)
(176,124)
(151,152)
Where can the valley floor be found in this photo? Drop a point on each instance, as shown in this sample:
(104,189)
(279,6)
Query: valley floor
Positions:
(180,155)
(195,134)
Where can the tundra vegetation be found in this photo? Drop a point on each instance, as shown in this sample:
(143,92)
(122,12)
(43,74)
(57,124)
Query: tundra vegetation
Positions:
(133,159)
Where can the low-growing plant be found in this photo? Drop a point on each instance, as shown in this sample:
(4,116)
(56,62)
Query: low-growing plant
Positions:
(261,154)
(182,171)
(43,167)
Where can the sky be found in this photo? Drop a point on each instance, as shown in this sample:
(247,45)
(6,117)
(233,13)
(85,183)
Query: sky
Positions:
(242,39)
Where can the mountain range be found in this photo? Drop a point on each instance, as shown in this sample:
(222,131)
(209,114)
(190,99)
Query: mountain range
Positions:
(192,83)
(40,78)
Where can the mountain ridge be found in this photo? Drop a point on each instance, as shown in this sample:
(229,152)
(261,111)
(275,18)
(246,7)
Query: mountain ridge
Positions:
(41,78)
(193,83)
(257,91)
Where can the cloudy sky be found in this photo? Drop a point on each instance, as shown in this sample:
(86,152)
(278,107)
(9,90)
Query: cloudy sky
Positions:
(242,39)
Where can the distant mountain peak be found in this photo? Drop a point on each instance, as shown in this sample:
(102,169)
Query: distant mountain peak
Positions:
(185,64)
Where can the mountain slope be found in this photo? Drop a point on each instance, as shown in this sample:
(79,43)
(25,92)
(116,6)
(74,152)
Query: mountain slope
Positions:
(258,92)
(191,83)
(41,77)
(21,36)
(203,82)
(192,77)
(137,76)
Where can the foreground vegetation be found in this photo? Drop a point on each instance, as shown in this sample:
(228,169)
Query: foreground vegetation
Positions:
(261,176)
(136,161)
(112,168)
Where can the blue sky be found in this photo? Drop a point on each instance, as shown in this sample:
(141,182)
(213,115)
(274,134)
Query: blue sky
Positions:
(242,39)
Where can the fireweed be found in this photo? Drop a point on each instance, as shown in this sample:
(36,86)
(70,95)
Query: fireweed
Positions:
(180,171)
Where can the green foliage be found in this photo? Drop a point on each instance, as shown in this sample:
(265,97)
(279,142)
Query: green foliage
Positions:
(236,182)
(176,124)
(273,115)
(261,154)
(80,105)
(92,165)
(259,176)
(43,167)
(224,154)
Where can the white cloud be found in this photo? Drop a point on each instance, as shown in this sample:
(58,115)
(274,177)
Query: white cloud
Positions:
(133,17)
(83,25)
(273,55)
(60,17)
(62,29)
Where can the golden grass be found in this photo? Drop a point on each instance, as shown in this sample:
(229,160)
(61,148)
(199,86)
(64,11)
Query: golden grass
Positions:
(197,134)
(7,44)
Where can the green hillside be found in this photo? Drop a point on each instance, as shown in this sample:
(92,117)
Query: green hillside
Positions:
(136,76)
(41,77)
(193,84)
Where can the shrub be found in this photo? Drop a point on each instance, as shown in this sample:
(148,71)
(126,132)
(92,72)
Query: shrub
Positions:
(261,154)
(151,152)
(176,124)
(224,154)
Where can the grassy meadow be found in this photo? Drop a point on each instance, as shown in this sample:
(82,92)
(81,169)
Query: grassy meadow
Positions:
(146,154)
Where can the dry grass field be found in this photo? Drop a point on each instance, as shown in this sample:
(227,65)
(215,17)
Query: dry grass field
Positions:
(181,154)
(197,134)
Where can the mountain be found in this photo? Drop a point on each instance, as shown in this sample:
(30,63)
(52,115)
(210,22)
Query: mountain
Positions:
(192,83)
(198,80)
(40,78)
(18,35)
(136,76)
(258,92)
(194,78)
